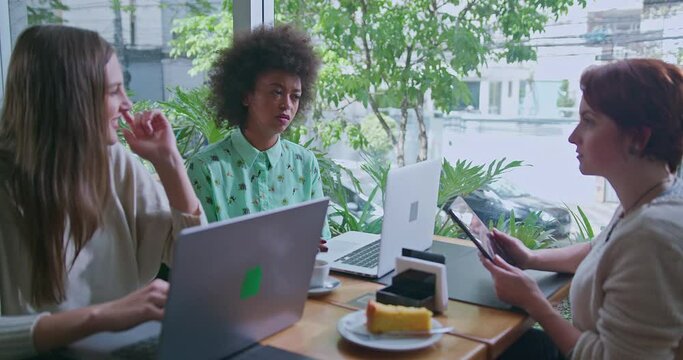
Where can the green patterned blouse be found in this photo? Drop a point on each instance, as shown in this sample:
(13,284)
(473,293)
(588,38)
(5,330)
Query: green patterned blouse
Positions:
(233,178)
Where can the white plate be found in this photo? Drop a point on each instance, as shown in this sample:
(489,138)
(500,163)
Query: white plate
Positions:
(330,284)
(356,320)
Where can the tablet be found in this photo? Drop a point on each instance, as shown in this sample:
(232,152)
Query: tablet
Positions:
(471,225)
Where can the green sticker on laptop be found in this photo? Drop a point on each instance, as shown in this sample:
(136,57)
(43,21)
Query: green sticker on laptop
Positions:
(251,284)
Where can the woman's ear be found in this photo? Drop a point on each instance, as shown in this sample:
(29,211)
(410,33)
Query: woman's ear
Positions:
(246,99)
(640,137)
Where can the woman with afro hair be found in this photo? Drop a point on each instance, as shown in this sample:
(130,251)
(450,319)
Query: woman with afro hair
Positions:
(259,85)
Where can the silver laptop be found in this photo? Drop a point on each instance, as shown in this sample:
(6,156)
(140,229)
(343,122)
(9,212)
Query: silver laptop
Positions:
(233,283)
(409,213)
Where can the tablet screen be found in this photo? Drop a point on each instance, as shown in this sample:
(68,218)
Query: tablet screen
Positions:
(471,225)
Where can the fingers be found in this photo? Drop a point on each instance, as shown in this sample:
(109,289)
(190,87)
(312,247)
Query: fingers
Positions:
(497,235)
(496,239)
(159,285)
(157,294)
(129,119)
(498,267)
(498,260)
(158,120)
(141,123)
(487,264)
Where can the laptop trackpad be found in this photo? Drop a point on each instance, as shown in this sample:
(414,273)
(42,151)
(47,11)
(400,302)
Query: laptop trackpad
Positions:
(342,246)
(345,243)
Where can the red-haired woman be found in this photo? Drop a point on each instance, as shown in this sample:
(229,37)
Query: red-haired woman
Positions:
(627,292)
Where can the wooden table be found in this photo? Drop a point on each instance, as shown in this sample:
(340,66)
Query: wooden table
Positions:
(316,336)
(479,332)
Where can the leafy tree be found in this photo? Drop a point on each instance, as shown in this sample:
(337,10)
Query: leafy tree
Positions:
(45,12)
(201,35)
(378,144)
(393,53)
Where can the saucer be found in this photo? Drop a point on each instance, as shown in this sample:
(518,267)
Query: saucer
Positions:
(330,284)
(349,325)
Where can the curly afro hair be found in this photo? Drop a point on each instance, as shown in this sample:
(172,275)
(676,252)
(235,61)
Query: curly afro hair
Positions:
(253,53)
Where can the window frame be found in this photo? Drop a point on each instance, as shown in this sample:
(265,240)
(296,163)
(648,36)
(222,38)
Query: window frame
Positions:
(5,44)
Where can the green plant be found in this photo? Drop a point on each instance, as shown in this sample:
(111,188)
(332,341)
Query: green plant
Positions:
(202,35)
(342,219)
(464,177)
(46,12)
(528,230)
(194,123)
(443,226)
(364,219)
(461,179)
(378,144)
(585,232)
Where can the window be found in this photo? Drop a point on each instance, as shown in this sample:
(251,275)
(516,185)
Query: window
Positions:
(528,126)
(495,97)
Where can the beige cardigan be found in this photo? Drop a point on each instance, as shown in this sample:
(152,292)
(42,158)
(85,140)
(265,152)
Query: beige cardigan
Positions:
(123,255)
(627,294)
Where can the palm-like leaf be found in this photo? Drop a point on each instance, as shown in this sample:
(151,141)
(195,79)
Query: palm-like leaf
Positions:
(528,230)
(585,229)
(193,118)
(464,177)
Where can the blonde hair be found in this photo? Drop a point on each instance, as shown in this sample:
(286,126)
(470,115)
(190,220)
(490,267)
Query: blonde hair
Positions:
(53,136)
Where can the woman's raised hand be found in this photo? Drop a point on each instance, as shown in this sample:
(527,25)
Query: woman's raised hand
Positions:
(150,136)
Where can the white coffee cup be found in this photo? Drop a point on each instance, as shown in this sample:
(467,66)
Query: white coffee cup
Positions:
(321,270)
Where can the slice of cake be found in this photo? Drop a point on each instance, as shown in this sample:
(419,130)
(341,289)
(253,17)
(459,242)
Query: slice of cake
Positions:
(383,318)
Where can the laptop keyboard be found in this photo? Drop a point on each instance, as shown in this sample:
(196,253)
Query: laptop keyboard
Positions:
(144,349)
(367,256)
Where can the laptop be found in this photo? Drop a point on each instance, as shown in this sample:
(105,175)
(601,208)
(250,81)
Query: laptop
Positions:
(409,212)
(233,283)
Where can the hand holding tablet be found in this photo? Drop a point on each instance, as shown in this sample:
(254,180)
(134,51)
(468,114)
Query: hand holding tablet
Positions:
(474,229)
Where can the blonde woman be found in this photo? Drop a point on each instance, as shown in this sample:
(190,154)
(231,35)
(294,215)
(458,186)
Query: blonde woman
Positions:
(83,226)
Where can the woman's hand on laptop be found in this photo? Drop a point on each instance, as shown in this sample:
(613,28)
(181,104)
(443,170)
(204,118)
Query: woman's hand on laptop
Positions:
(52,331)
(139,306)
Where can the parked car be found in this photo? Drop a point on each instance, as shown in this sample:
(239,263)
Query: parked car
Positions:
(499,198)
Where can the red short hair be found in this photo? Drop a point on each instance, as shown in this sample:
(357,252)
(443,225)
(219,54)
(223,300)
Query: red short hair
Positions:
(637,94)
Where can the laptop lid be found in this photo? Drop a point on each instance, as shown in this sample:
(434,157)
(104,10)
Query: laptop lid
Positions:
(238,281)
(233,283)
(409,211)
(410,206)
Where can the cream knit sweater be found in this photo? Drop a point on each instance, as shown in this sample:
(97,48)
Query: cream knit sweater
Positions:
(627,294)
(123,255)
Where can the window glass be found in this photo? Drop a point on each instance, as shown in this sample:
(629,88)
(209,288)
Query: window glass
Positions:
(140,30)
(481,95)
